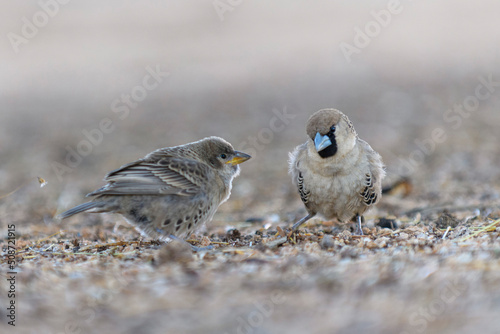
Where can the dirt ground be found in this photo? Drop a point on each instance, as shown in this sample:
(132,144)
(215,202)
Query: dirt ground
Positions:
(101,84)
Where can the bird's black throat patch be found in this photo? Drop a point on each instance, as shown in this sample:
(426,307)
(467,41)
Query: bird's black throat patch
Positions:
(330,150)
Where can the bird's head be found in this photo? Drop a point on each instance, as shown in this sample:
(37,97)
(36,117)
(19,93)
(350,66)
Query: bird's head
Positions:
(331,132)
(221,155)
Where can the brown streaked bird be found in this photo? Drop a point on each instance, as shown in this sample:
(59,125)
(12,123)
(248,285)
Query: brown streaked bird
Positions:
(171,191)
(337,174)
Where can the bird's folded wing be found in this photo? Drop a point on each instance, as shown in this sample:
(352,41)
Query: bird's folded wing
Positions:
(303,192)
(369,193)
(168,175)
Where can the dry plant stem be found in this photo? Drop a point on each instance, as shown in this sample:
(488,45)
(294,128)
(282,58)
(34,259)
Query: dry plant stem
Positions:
(276,243)
(446,233)
(193,247)
(484,229)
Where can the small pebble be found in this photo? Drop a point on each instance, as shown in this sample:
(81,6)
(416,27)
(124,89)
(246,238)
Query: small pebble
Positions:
(175,251)
(327,242)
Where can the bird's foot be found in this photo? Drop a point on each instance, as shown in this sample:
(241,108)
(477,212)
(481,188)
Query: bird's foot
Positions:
(296,226)
(359,230)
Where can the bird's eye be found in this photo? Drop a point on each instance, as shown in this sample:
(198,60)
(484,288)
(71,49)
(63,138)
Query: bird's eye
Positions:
(332,131)
(223,156)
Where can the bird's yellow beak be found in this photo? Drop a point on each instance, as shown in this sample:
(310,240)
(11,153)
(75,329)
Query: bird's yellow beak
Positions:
(238,158)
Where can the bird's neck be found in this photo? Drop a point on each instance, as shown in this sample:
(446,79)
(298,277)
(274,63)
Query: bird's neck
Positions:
(342,162)
(227,184)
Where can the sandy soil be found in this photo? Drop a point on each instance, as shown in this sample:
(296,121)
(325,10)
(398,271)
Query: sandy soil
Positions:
(423,89)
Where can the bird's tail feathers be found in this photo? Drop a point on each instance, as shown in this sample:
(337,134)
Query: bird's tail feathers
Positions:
(80,208)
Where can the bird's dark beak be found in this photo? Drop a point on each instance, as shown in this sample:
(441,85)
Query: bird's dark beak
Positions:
(321,142)
(238,158)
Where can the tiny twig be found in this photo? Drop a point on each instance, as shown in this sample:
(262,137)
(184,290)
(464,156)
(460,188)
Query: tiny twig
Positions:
(276,243)
(446,233)
(484,229)
(50,236)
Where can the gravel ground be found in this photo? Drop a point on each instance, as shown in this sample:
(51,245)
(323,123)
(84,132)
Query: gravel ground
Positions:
(423,91)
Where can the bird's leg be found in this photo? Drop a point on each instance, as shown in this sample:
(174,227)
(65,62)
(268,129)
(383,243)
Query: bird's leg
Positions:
(302,221)
(360,229)
(193,247)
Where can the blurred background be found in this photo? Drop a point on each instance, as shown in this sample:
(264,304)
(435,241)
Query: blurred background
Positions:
(88,86)
(227,69)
